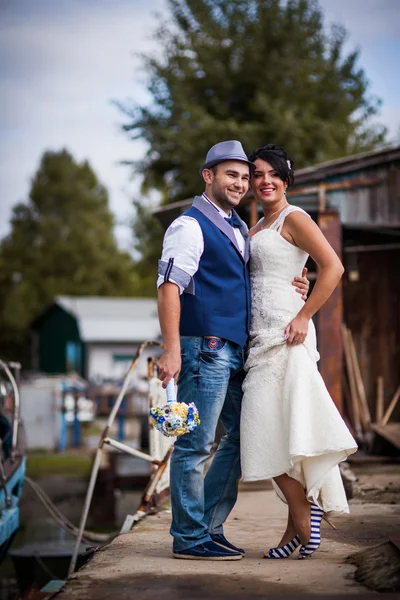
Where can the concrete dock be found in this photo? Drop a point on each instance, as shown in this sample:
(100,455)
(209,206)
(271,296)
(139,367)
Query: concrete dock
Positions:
(139,564)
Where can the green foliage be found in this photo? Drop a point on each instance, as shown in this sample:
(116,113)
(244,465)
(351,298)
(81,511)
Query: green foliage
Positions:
(261,71)
(149,235)
(61,242)
(258,70)
(46,464)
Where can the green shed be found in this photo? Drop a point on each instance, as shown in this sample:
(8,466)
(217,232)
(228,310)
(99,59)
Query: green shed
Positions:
(92,336)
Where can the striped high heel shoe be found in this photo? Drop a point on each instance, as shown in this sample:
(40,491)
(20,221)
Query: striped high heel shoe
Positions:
(315,538)
(284,551)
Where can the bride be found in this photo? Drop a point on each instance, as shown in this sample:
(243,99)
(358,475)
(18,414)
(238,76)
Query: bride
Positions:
(291,430)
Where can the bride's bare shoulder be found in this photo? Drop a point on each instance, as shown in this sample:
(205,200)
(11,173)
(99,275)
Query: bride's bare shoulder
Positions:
(296,211)
(299,218)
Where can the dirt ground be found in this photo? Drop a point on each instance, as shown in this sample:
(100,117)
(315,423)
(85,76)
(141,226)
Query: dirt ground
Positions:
(377,483)
(139,564)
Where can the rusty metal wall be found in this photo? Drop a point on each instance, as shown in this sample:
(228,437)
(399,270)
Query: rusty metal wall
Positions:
(330,317)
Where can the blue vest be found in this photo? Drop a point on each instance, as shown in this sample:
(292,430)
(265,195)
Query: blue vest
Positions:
(218,300)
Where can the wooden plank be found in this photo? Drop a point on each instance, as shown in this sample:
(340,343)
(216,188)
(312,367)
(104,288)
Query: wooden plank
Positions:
(348,406)
(371,248)
(352,382)
(253,212)
(395,539)
(348,164)
(373,459)
(363,404)
(338,185)
(391,407)
(375,293)
(379,399)
(390,432)
(322,197)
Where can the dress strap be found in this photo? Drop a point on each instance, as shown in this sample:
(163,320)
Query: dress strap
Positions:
(278,224)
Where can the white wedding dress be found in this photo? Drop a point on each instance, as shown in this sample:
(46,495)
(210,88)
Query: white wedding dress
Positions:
(289,422)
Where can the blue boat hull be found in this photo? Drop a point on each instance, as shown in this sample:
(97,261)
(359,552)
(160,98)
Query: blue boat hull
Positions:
(9,515)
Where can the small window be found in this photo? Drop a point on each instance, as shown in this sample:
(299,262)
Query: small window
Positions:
(73,356)
(122,358)
(121,364)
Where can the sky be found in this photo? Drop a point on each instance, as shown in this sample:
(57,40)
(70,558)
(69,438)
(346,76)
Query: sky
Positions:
(63,62)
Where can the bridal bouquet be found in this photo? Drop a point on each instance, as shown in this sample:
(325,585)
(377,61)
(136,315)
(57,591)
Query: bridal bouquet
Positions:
(174,418)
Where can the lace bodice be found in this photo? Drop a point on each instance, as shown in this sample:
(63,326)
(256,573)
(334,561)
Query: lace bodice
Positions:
(274,264)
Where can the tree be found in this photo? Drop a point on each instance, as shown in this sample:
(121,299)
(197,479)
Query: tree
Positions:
(256,70)
(61,242)
(148,234)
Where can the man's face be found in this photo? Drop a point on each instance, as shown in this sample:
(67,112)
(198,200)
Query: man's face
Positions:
(229,183)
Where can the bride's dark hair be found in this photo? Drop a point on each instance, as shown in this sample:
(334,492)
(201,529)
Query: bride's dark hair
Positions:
(278,159)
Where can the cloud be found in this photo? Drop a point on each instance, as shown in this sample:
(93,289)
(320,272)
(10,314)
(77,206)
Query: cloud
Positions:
(59,71)
(62,62)
(364,19)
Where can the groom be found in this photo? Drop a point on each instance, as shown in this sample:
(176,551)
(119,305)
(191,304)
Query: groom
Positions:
(204,312)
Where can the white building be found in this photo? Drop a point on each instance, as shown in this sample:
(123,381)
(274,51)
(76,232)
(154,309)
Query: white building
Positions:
(95,337)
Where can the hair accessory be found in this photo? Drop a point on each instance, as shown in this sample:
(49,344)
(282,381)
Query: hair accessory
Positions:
(174,418)
(289,164)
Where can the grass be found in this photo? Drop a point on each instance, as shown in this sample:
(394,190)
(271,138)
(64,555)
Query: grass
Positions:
(92,429)
(42,465)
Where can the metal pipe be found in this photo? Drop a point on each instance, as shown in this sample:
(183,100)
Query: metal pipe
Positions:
(96,464)
(121,395)
(143,509)
(3,480)
(130,450)
(88,500)
(149,491)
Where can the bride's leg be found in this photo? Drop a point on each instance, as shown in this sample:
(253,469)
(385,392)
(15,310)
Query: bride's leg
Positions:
(288,544)
(299,507)
(290,531)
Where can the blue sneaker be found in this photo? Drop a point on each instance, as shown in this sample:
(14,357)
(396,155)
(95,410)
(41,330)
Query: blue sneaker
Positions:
(207,551)
(221,540)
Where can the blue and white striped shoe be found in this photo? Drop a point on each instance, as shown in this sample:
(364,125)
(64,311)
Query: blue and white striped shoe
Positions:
(315,538)
(284,551)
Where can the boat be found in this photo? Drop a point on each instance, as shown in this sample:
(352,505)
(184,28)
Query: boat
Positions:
(12,454)
(36,563)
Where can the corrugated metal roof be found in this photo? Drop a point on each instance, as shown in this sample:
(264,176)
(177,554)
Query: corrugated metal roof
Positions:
(113,319)
(347,164)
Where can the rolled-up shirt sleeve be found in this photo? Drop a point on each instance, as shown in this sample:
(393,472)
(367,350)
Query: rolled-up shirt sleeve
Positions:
(182,249)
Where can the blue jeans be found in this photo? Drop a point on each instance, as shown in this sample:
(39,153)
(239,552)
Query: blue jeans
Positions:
(211,377)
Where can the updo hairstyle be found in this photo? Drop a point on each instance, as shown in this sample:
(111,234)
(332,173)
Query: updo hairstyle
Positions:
(278,159)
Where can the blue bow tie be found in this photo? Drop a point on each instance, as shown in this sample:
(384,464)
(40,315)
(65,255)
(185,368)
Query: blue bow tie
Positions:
(233,221)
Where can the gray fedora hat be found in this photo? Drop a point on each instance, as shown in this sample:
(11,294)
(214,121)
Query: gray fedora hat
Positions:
(230,150)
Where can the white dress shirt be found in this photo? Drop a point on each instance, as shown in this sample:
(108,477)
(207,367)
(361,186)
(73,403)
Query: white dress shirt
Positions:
(183,241)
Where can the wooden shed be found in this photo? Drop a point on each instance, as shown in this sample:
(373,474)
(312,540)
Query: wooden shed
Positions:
(356,202)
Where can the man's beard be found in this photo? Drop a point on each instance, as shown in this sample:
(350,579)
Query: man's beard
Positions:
(223,200)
